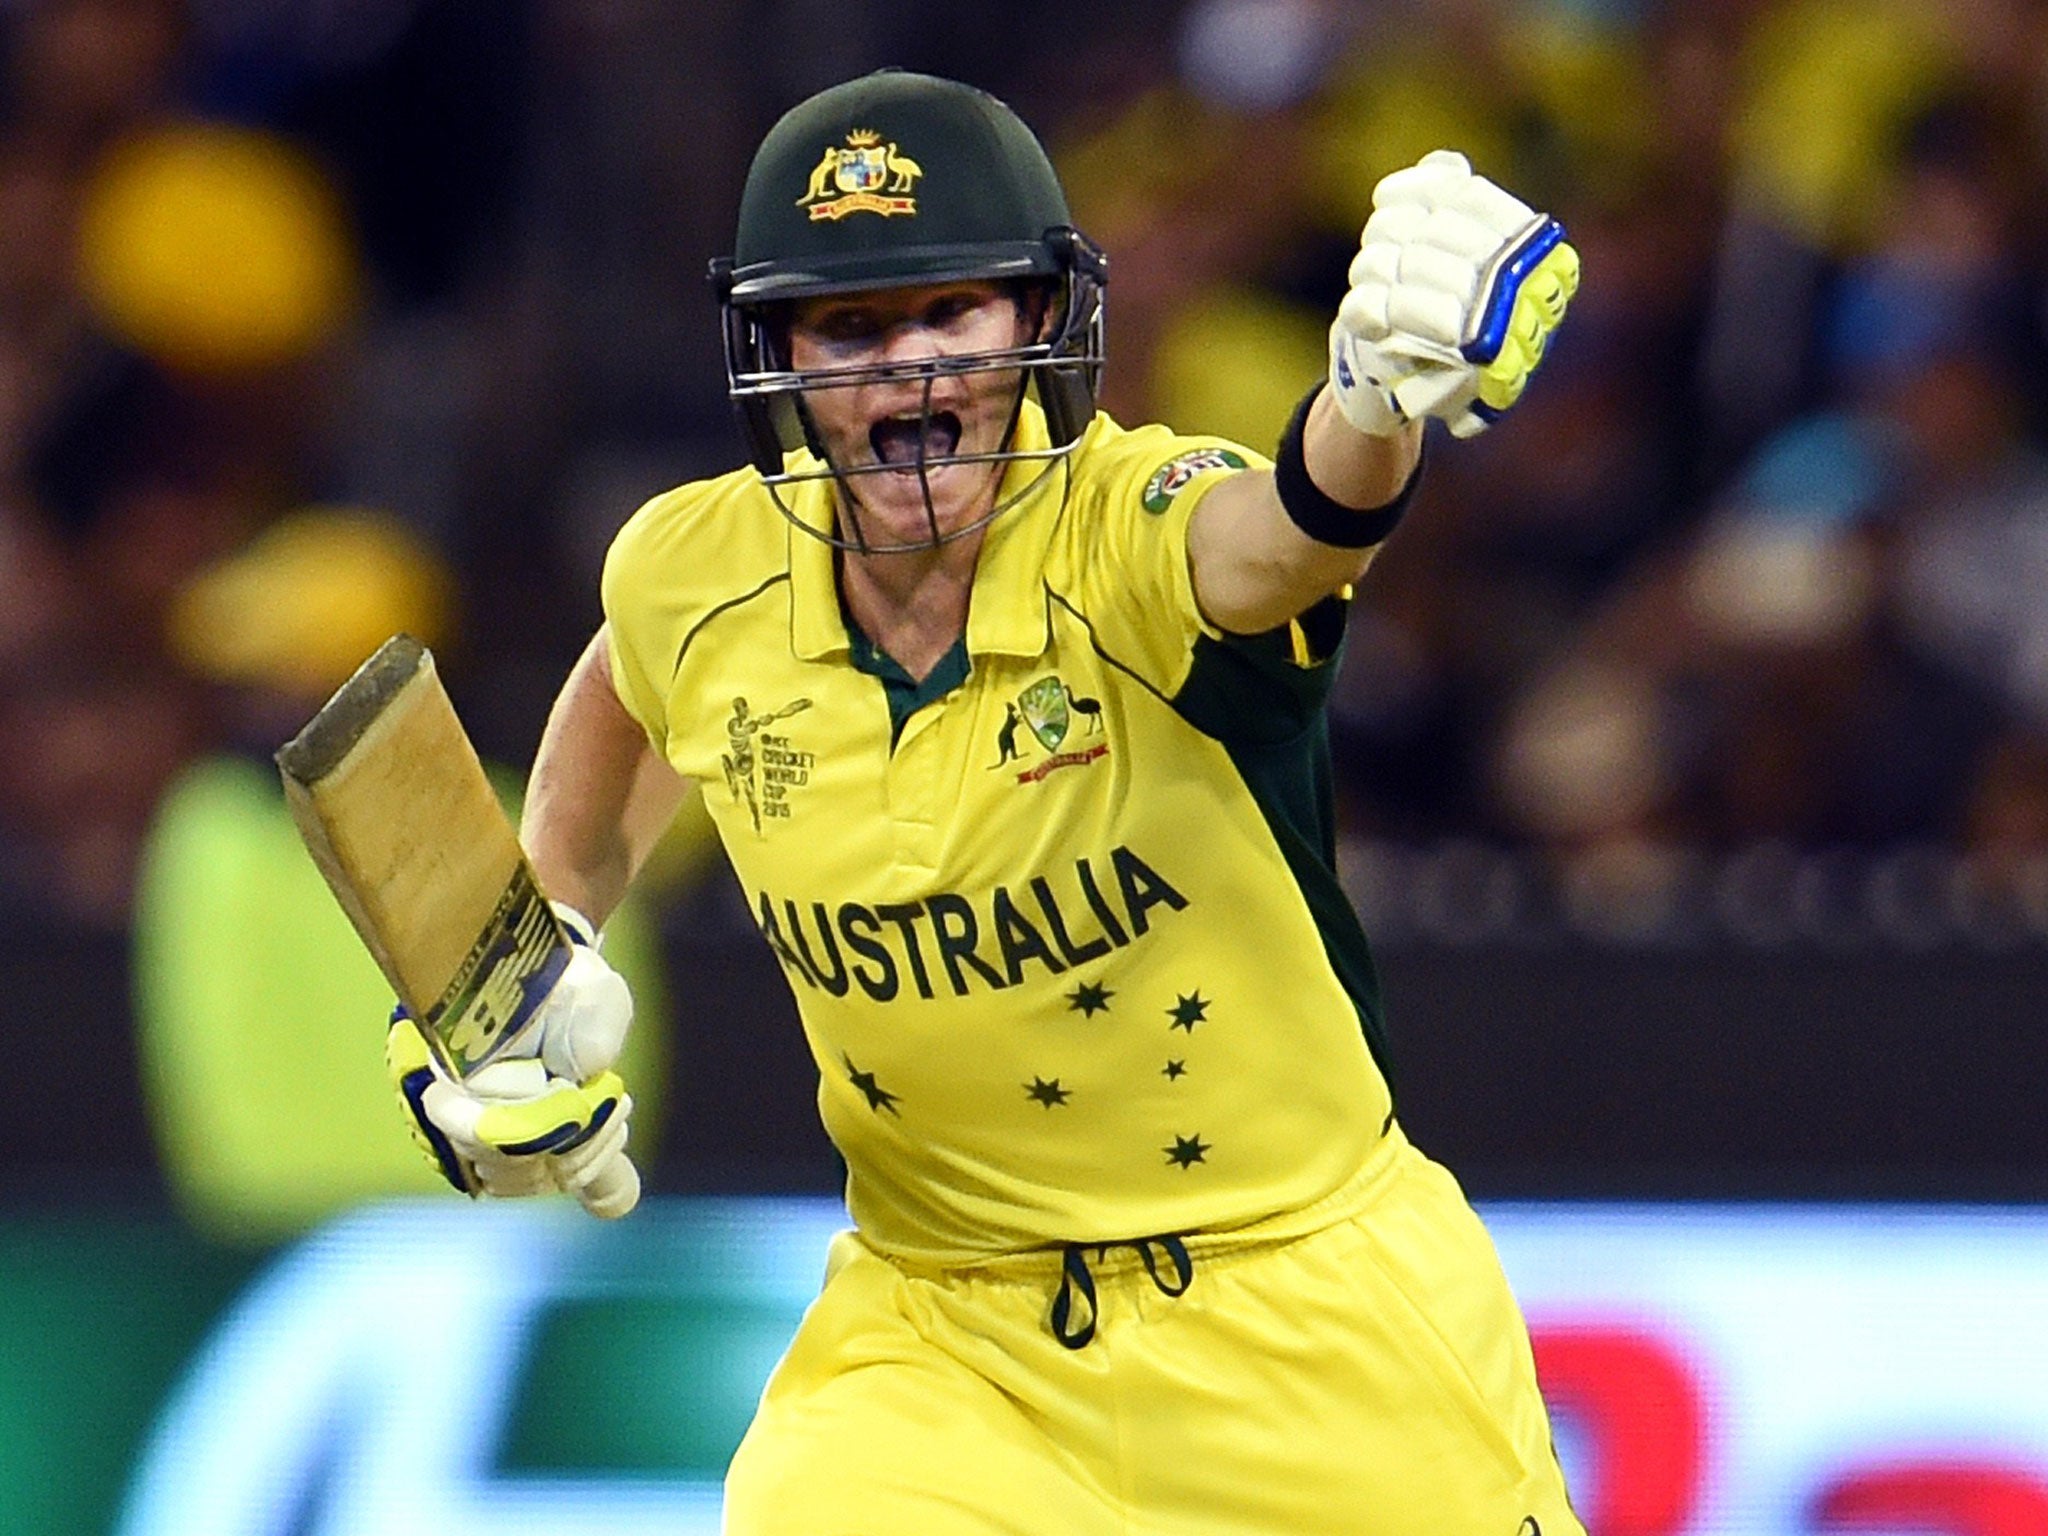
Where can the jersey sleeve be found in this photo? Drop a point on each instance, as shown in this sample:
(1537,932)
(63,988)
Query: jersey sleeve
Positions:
(1130,571)
(1137,590)
(631,623)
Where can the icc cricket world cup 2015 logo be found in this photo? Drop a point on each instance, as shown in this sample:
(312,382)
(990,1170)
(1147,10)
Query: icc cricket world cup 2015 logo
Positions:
(863,175)
(1048,709)
(762,767)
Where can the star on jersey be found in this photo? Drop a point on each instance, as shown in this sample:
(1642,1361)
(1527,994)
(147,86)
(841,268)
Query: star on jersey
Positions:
(878,1097)
(1189,1011)
(1089,998)
(1187,1151)
(1048,1094)
(1174,1069)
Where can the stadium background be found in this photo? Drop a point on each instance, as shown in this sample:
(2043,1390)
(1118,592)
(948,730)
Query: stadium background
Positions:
(1693,743)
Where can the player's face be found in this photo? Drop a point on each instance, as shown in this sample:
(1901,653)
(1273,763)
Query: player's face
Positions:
(898,420)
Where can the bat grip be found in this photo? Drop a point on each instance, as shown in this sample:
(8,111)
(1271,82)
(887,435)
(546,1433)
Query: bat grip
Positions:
(612,1190)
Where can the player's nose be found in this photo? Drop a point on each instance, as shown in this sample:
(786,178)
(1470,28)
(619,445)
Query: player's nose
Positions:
(914,384)
(910,340)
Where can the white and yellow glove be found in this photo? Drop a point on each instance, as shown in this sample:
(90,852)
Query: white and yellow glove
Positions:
(549,1113)
(1455,291)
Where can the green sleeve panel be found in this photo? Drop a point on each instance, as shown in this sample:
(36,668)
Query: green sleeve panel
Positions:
(1254,695)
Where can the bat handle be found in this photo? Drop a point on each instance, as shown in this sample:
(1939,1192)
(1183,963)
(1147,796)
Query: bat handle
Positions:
(613,1188)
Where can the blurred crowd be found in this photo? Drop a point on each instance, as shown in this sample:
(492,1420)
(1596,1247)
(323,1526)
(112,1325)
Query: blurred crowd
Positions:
(1760,560)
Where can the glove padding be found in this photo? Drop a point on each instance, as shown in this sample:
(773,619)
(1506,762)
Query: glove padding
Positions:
(546,1115)
(580,1029)
(514,1129)
(1455,291)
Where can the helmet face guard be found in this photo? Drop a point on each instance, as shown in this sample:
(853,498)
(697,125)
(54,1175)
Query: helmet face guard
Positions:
(1063,371)
(835,205)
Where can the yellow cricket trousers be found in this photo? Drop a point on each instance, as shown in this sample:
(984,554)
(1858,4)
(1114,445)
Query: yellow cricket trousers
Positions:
(1371,1378)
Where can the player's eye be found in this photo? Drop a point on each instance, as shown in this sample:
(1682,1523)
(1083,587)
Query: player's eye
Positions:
(847,326)
(954,311)
(950,309)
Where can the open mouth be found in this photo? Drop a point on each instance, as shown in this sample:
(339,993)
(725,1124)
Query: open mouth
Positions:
(902,442)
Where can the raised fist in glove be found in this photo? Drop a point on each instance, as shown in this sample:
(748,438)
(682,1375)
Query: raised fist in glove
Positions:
(547,1113)
(1455,291)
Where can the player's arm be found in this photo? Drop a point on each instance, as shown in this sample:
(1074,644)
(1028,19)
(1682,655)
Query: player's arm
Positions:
(1254,566)
(1455,291)
(600,796)
(552,1114)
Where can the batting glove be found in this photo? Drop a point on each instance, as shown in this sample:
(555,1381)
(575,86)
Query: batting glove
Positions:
(581,1027)
(1455,291)
(546,1115)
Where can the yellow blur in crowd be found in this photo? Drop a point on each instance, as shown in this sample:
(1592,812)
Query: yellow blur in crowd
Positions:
(215,248)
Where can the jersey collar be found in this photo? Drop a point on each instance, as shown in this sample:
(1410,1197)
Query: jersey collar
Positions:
(1007,615)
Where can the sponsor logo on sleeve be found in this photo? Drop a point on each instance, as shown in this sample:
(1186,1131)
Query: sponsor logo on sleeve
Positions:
(1172,477)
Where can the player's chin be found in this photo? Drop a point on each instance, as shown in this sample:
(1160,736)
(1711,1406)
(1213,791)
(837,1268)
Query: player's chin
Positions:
(903,506)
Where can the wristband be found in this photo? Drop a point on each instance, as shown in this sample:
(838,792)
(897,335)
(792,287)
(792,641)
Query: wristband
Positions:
(1323,519)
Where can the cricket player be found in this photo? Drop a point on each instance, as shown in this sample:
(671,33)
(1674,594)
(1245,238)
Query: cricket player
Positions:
(1011,719)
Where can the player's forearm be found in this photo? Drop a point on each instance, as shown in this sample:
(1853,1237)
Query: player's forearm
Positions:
(1355,468)
(1455,291)
(599,796)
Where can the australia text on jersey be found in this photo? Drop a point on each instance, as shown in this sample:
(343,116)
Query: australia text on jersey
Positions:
(1055,921)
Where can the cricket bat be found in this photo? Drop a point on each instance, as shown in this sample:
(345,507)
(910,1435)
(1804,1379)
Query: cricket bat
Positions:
(393,804)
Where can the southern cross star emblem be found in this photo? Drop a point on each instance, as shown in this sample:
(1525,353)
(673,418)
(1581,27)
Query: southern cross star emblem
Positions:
(1048,1093)
(1187,1151)
(878,1097)
(1174,1069)
(1189,1011)
(1089,998)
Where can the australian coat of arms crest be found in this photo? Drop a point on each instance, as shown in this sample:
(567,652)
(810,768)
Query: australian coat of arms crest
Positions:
(863,175)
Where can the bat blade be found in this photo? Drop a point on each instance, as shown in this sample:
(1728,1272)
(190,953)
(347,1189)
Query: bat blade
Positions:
(393,804)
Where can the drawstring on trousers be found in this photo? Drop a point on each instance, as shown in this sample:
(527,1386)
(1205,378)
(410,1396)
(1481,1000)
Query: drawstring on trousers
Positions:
(1075,1280)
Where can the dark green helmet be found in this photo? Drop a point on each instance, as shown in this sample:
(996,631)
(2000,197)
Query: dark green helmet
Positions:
(892,179)
(895,180)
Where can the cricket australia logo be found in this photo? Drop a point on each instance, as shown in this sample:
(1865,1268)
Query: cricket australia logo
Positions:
(762,767)
(1049,709)
(862,176)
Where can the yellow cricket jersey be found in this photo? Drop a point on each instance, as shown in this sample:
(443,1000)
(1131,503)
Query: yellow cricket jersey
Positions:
(1064,935)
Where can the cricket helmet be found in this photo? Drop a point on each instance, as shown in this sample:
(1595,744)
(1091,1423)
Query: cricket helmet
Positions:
(896,180)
